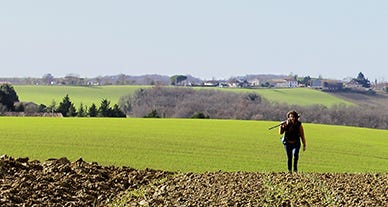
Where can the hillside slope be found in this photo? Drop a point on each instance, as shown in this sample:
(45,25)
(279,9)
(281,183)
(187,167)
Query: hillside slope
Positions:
(378,101)
(94,94)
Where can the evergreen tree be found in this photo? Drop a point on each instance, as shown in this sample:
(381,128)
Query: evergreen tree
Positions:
(176,79)
(362,80)
(116,111)
(306,81)
(8,96)
(64,106)
(81,111)
(72,111)
(92,110)
(104,110)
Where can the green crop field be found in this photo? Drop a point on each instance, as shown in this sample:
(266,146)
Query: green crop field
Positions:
(94,94)
(297,96)
(78,94)
(192,144)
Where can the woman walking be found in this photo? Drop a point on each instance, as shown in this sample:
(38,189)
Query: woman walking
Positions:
(293,133)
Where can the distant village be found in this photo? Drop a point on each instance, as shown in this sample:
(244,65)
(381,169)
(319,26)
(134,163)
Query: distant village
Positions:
(359,83)
(287,82)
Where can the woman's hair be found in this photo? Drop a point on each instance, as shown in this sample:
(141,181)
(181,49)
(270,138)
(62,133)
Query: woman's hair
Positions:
(296,115)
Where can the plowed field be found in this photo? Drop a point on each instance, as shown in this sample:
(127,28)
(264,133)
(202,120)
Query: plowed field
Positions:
(59,182)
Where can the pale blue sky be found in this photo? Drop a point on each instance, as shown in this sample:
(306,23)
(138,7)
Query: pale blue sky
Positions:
(206,39)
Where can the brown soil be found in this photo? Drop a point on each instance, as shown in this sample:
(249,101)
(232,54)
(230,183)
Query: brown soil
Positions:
(59,182)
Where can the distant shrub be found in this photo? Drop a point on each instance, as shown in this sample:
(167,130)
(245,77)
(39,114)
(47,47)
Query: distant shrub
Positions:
(200,115)
(153,114)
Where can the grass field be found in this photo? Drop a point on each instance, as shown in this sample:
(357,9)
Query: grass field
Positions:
(88,95)
(78,94)
(297,96)
(192,144)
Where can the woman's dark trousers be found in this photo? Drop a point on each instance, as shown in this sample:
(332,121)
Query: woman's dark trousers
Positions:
(292,150)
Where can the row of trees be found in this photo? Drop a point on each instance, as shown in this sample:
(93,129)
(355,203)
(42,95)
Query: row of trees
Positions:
(67,109)
(74,79)
(187,103)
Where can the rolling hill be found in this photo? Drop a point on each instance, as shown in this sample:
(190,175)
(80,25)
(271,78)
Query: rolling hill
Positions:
(87,95)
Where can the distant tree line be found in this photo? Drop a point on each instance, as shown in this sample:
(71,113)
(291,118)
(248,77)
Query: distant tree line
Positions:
(190,103)
(67,109)
(120,79)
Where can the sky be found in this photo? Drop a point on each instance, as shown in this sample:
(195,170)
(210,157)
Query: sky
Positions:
(208,39)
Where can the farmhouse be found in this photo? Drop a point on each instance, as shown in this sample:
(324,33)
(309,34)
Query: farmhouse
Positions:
(316,83)
(211,83)
(331,85)
(284,83)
